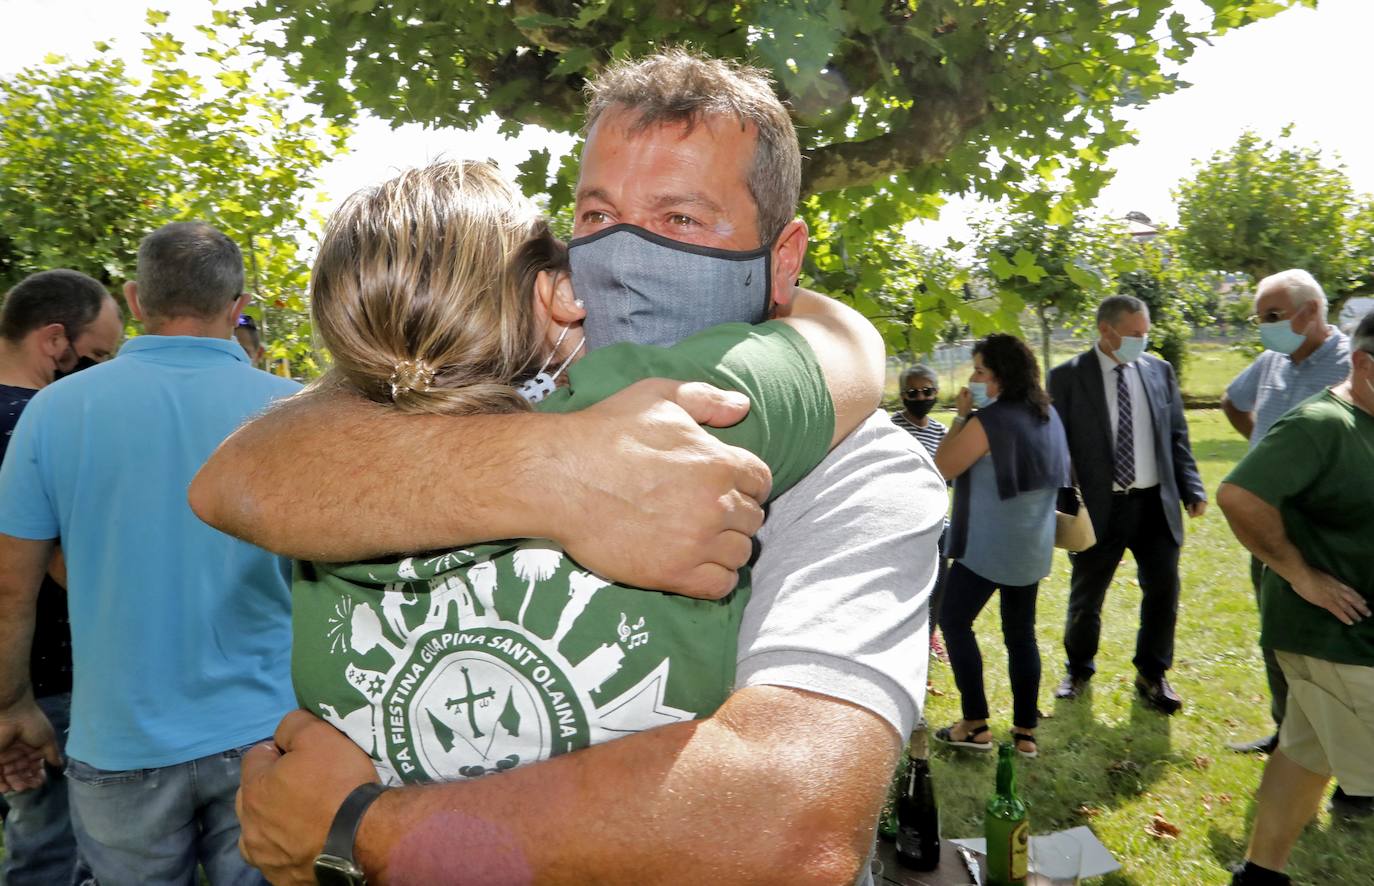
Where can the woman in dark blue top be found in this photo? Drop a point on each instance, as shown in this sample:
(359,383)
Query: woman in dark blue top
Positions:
(1008,461)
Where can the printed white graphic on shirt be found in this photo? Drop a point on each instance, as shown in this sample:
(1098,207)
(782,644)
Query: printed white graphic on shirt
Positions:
(468,692)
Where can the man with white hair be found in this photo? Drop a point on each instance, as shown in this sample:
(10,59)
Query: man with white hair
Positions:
(1302,501)
(1304,355)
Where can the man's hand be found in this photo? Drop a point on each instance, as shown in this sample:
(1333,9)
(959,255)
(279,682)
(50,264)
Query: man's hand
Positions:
(654,501)
(1197,508)
(1333,595)
(290,792)
(27,740)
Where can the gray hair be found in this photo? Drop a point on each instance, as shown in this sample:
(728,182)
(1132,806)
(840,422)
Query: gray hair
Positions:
(188,269)
(679,86)
(1114,307)
(1300,286)
(920,370)
(1363,337)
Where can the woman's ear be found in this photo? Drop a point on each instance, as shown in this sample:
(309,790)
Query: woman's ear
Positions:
(565,307)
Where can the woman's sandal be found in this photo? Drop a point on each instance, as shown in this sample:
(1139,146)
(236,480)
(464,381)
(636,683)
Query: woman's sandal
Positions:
(946,735)
(1018,737)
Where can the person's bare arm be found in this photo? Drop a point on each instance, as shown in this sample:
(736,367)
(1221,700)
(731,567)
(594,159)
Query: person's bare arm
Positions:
(1243,422)
(57,567)
(778,786)
(328,475)
(1258,526)
(26,736)
(850,352)
(964,443)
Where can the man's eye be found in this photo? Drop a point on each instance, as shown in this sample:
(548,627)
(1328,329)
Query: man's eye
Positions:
(678,220)
(594,217)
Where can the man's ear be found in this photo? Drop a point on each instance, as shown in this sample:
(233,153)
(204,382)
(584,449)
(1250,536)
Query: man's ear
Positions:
(52,339)
(131,299)
(788,251)
(236,310)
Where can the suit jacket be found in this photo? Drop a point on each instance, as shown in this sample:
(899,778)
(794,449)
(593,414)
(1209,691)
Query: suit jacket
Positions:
(1078,392)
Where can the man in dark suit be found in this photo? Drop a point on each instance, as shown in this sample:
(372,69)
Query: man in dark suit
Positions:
(1123,414)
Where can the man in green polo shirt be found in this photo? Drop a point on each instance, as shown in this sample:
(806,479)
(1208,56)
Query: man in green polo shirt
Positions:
(1302,501)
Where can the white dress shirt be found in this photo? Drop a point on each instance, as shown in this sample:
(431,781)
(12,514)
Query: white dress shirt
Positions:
(1142,431)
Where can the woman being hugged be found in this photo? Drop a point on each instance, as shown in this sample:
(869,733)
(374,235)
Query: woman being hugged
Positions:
(1008,460)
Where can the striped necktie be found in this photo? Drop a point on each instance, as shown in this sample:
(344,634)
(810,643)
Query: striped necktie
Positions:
(1124,472)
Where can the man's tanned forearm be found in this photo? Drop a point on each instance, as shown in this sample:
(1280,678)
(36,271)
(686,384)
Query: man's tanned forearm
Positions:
(328,475)
(790,796)
(1243,422)
(22,564)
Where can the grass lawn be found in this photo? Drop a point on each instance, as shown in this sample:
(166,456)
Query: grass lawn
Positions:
(1110,763)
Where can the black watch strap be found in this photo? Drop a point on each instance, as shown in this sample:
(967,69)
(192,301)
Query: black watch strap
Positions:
(344,830)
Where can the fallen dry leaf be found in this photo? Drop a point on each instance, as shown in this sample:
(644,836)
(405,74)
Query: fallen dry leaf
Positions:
(1201,761)
(1124,767)
(1089,811)
(1161,828)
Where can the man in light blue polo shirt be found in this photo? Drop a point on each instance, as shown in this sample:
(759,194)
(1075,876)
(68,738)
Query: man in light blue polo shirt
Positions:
(180,634)
(1304,355)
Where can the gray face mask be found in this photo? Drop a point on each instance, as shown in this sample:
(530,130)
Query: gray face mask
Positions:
(643,288)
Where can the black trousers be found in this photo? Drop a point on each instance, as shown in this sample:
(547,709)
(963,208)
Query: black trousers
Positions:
(967,594)
(1137,524)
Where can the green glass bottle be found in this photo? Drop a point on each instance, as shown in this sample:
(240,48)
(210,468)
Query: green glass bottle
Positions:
(1005,824)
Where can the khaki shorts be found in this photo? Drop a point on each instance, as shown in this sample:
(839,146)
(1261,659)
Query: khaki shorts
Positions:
(1329,725)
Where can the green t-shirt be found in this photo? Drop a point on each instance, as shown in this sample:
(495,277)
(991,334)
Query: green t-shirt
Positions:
(453,664)
(1316,466)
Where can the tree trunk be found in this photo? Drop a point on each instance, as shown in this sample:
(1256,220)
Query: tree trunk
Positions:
(1044,341)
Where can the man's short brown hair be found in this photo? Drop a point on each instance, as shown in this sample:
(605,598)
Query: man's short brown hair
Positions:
(680,86)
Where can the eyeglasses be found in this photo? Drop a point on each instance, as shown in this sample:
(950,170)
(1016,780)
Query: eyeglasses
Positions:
(1268,317)
(922,392)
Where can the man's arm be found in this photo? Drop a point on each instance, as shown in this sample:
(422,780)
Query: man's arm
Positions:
(26,736)
(1243,422)
(765,790)
(1259,526)
(329,475)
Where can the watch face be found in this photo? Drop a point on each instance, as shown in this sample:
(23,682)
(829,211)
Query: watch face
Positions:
(330,870)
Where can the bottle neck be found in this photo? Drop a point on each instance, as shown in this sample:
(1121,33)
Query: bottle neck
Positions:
(1006,778)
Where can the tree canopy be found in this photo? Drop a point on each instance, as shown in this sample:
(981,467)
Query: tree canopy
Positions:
(896,101)
(92,159)
(1265,205)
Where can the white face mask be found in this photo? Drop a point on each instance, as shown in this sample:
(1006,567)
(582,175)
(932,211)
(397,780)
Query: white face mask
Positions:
(542,383)
(1131,347)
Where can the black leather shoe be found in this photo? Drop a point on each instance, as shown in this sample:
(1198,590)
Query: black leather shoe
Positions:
(1158,694)
(1264,745)
(1071,687)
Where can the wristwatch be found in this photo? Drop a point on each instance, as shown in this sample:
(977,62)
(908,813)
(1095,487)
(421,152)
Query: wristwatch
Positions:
(334,866)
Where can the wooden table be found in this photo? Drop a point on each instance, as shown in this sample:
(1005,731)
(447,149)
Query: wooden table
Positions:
(951,871)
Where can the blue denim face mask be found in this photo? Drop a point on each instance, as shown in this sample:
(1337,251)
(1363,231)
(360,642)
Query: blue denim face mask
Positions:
(647,289)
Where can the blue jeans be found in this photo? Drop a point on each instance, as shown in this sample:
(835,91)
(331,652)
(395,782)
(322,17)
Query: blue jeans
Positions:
(151,827)
(39,847)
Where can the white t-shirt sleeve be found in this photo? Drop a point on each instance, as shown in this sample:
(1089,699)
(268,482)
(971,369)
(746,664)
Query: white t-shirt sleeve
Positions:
(842,585)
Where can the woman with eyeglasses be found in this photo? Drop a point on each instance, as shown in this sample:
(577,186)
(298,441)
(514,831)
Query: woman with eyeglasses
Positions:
(1008,460)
